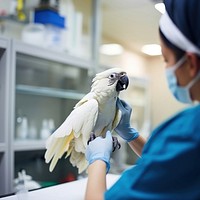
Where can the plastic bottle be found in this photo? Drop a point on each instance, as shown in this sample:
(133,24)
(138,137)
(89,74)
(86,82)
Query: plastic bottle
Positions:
(45,132)
(67,10)
(22,192)
(22,129)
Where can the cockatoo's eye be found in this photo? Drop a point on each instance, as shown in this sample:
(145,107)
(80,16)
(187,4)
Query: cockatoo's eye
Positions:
(112,76)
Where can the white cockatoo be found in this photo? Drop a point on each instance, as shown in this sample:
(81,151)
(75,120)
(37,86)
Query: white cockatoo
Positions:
(96,112)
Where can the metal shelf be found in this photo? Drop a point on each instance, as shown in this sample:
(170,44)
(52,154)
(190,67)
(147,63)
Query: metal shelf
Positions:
(52,55)
(28,145)
(50,92)
(2,147)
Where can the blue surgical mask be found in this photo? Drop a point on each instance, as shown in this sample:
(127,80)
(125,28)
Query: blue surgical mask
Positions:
(181,93)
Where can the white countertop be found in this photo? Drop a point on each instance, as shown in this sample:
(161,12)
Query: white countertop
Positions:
(74,190)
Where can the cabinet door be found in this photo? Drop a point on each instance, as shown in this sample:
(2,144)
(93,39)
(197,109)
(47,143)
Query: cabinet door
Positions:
(4,116)
(46,92)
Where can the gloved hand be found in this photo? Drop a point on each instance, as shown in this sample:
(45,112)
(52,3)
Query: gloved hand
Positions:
(124,129)
(100,149)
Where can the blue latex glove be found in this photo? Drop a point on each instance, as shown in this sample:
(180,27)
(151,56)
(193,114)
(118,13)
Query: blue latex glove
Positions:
(100,149)
(124,129)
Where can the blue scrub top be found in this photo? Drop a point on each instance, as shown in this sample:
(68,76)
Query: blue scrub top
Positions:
(169,168)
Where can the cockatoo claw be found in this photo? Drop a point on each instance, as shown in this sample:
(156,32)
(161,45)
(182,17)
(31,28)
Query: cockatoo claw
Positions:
(116,144)
(92,137)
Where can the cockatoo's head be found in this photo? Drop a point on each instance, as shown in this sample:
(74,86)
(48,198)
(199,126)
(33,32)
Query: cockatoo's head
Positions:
(114,79)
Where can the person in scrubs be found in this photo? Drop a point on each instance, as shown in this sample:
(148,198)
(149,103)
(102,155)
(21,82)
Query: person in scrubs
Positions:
(169,163)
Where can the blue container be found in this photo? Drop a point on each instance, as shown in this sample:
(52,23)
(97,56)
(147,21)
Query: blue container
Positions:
(49,17)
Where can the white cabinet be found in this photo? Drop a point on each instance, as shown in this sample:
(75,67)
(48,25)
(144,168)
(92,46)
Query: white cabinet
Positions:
(41,85)
(36,84)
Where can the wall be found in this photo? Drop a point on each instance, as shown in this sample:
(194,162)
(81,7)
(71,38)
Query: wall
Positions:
(162,103)
(132,63)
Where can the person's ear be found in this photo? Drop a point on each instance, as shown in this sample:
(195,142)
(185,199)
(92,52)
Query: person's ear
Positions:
(194,63)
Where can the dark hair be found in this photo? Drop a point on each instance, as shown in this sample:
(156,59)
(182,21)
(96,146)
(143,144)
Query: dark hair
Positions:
(177,51)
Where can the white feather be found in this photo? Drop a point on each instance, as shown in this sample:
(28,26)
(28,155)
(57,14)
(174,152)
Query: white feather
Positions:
(95,112)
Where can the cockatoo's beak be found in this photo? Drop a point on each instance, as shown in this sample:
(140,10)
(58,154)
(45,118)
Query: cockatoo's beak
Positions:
(122,83)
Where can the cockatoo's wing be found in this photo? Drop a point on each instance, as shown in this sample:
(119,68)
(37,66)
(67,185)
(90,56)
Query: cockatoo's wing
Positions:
(81,120)
(116,119)
(86,98)
(79,123)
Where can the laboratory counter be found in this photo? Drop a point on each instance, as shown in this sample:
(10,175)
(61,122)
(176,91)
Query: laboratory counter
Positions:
(74,190)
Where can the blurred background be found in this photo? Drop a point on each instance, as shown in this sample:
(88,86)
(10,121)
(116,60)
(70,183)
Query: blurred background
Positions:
(49,52)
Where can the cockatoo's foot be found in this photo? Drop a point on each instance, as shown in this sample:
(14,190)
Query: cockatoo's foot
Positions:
(116,144)
(92,137)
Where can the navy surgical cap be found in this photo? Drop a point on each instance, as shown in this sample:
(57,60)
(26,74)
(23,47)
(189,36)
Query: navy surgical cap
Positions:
(185,17)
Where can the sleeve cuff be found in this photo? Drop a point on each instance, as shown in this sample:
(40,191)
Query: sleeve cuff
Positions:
(135,136)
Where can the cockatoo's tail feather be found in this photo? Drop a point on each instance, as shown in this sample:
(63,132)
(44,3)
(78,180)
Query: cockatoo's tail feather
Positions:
(58,147)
